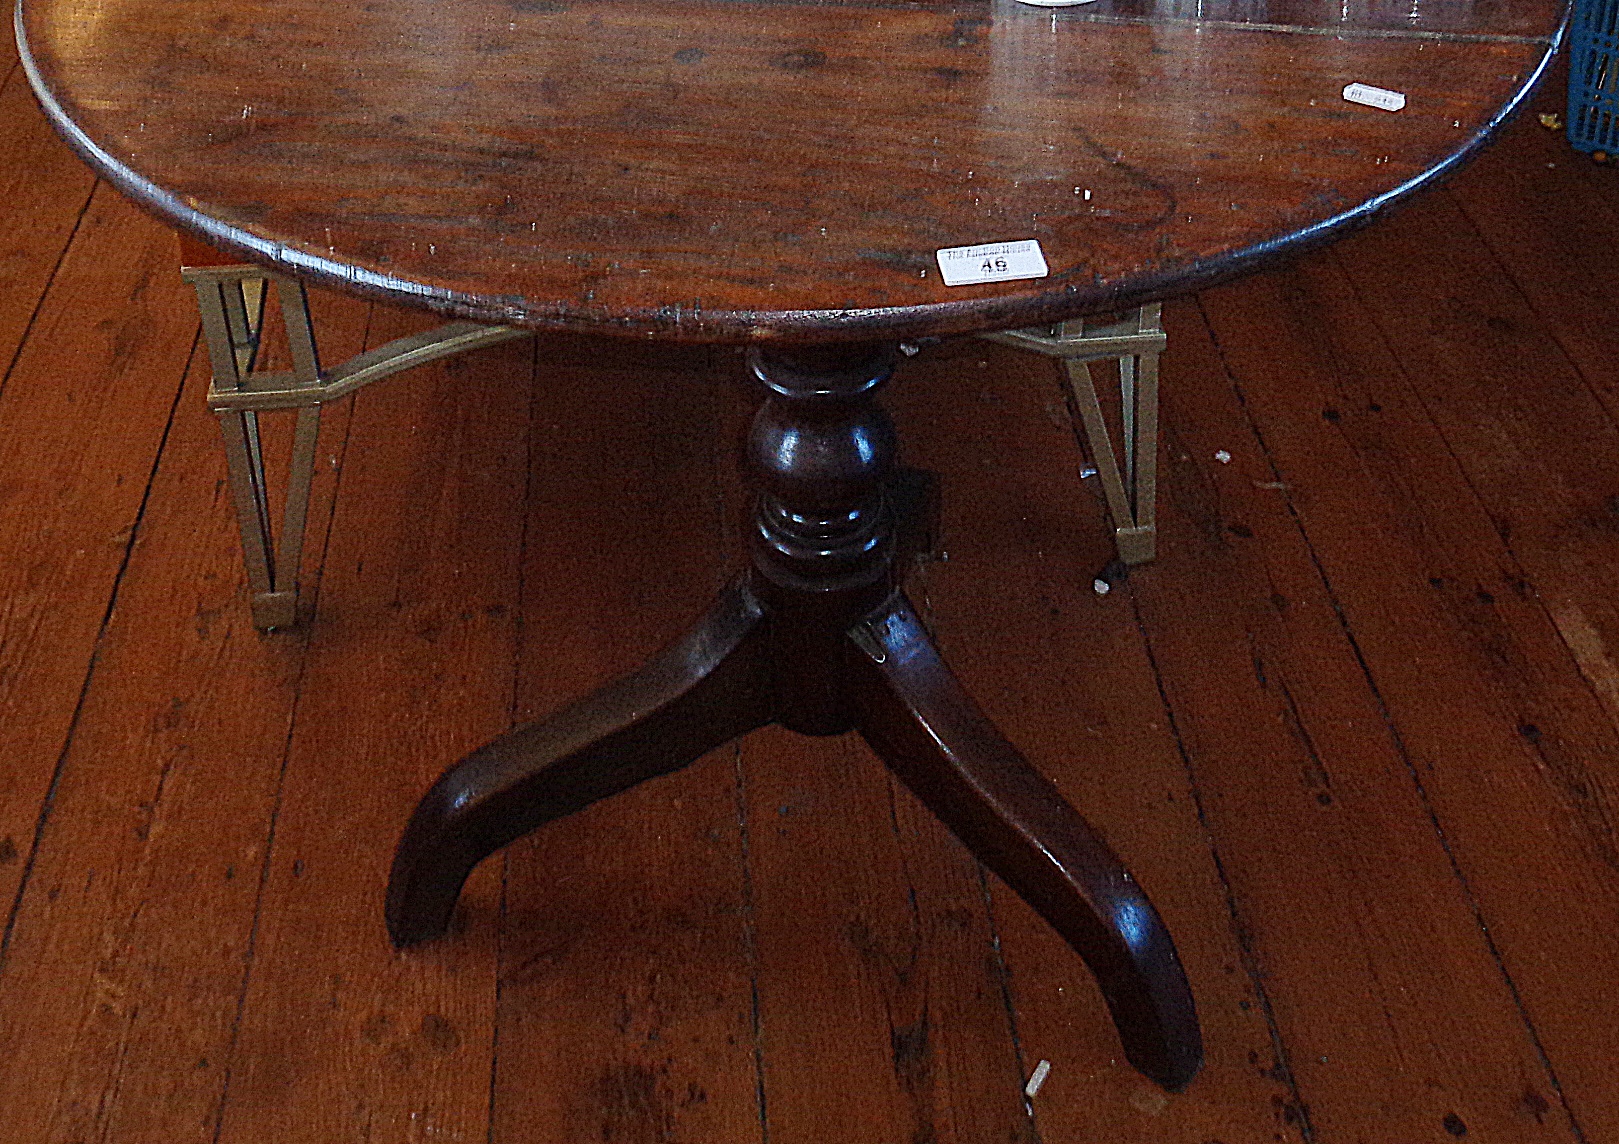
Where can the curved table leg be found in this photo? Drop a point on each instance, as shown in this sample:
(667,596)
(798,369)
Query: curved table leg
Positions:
(700,692)
(918,718)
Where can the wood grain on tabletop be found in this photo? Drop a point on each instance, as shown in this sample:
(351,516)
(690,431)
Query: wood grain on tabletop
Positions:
(409,666)
(650,170)
(144,889)
(115,986)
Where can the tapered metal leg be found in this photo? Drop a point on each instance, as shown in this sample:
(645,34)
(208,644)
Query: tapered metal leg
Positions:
(1131,487)
(1129,473)
(232,307)
(932,735)
(232,299)
(697,694)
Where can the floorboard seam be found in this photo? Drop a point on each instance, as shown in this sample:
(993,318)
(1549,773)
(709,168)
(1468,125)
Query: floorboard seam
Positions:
(1240,932)
(916,584)
(1397,739)
(280,784)
(1504,268)
(90,670)
(45,291)
(1503,265)
(519,645)
(1003,978)
(725,398)
(751,945)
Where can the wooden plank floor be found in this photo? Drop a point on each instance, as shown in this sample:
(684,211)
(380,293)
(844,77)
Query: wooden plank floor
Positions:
(1357,729)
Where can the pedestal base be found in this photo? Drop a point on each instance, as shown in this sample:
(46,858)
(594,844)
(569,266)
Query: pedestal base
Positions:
(816,638)
(737,670)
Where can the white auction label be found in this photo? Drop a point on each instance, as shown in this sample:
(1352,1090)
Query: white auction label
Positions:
(1374,96)
(992,262)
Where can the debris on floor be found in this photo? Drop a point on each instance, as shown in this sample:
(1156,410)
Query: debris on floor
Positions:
(1114,573)
(1036,1079)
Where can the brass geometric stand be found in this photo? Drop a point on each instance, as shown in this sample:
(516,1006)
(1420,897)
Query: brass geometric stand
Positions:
(1130,482)
(232,299)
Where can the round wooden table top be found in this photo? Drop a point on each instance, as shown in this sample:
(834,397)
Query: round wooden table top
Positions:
(731,170)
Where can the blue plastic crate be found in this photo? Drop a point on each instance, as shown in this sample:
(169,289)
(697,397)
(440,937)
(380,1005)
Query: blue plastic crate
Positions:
(1593,76)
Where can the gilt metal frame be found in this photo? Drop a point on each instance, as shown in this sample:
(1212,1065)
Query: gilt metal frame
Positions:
(1129,477)
(233,301)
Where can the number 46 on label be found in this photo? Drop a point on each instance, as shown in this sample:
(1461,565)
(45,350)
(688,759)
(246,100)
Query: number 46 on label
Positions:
(992,262)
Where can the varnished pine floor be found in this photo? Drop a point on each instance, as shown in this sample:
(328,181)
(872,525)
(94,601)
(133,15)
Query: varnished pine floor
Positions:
(1357,730)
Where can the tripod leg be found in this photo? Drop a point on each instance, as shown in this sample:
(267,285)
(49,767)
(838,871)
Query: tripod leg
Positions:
(700,692)
(918,718)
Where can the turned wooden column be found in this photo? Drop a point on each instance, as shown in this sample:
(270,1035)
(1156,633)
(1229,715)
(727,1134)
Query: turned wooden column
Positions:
(821,448)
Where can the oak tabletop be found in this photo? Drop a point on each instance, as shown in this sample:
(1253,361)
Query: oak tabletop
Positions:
(734,170)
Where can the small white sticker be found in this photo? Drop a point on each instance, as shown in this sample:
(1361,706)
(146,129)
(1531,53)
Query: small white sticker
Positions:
(1041,1071)
(992,262)
(1374,96)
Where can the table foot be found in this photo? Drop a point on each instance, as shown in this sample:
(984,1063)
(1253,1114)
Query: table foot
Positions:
(699,693)
(918,718)
(817,637)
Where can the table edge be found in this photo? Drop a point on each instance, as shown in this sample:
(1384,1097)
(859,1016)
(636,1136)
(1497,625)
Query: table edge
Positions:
(673,323)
